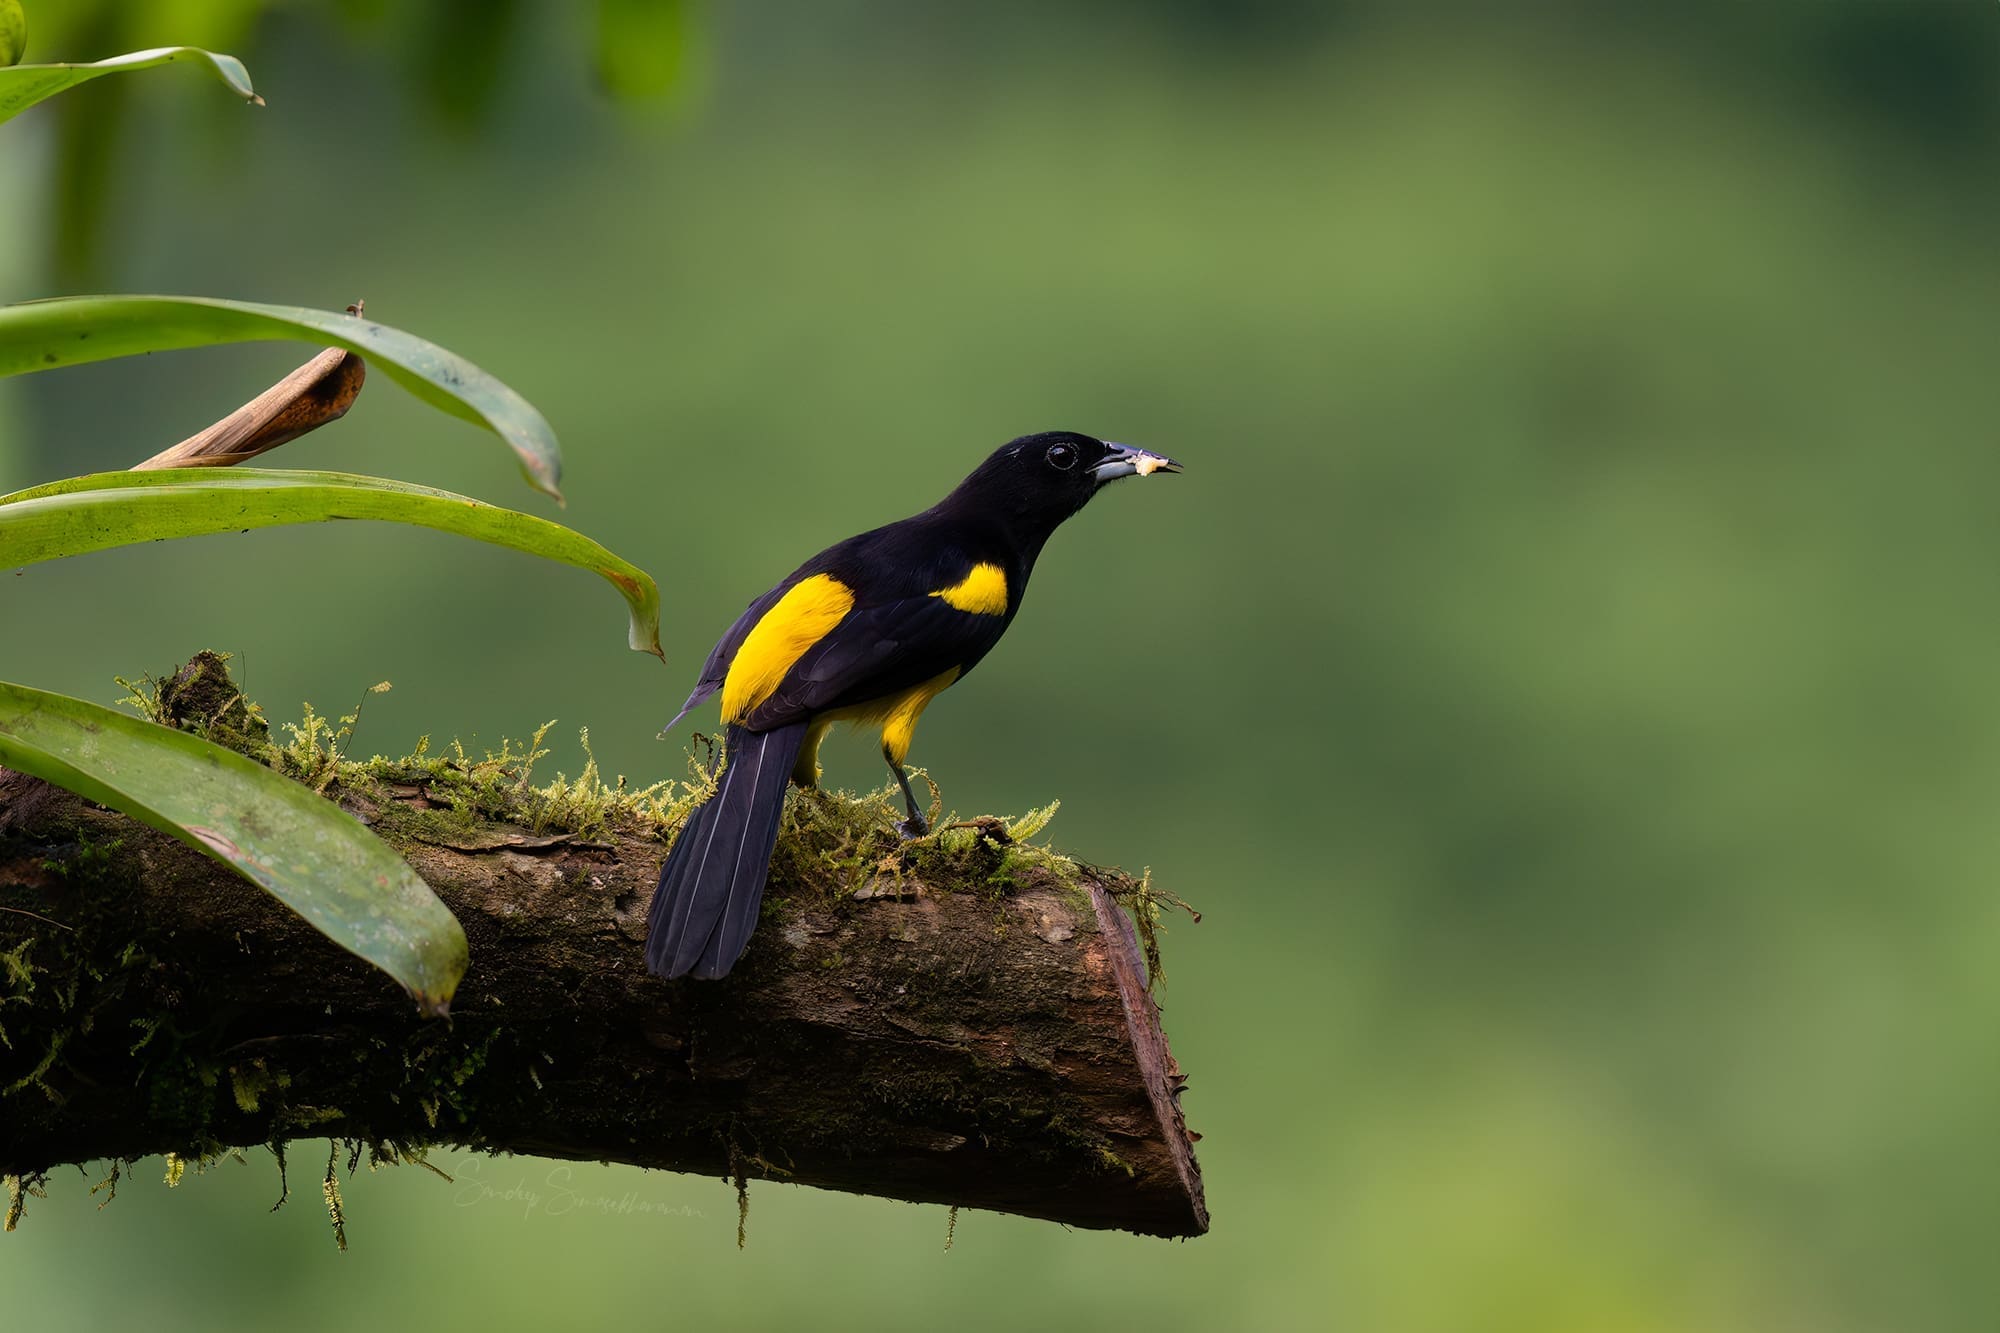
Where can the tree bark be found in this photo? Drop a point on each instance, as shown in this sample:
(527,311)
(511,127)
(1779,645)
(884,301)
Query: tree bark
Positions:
(941,1042)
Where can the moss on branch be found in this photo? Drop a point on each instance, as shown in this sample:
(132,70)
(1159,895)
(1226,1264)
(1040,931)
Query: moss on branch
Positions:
(954,1019)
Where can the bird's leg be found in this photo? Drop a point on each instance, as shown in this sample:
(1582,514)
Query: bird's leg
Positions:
(916,826)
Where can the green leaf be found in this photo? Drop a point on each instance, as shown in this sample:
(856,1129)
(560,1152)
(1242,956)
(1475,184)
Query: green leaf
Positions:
(74,330)
(646,48)
(13,32)
(106,509)
(21,86)
(305,851)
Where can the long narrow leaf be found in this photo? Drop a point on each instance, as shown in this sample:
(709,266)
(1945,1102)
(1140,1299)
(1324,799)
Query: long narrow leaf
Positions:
(21,86)
(13,32)
(75,330)
(106,509)
(306,851)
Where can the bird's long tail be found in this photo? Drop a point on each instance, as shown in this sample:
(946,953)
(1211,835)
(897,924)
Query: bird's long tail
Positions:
(713,881)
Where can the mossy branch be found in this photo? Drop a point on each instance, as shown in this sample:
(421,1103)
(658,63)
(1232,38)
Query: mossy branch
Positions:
(963,1020)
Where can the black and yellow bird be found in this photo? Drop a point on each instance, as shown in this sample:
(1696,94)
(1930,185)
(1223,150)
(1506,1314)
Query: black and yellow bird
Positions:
(867,631)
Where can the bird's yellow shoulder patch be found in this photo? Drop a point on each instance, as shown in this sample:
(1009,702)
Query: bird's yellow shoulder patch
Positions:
(797,621)
(983,592)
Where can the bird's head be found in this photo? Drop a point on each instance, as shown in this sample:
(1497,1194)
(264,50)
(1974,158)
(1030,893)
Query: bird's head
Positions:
(1044,478)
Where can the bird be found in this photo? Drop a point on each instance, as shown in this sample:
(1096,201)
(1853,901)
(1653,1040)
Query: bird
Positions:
(868,631)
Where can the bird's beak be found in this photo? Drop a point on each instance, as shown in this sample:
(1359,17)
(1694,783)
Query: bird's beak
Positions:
(1125,461)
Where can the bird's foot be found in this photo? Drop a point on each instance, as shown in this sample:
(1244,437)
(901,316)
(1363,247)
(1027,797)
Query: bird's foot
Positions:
(913,828)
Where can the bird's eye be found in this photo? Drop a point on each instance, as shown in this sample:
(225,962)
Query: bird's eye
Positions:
(1062,456)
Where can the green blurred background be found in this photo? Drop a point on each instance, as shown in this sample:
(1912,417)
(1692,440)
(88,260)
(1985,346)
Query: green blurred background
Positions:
(1563,677)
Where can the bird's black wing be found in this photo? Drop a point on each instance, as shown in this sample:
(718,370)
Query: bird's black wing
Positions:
(878,651)
(867,551)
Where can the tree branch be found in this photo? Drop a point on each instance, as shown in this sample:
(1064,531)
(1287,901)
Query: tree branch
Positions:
(926,1036)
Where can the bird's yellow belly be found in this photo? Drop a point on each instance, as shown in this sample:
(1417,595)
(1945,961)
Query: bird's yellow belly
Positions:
(897,714)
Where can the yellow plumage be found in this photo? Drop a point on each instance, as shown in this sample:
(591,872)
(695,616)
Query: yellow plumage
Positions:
(807,612)
(983,592)
(800,619)
(898,714)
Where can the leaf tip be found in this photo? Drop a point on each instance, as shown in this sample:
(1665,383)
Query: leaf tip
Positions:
(545,479)
(540,464)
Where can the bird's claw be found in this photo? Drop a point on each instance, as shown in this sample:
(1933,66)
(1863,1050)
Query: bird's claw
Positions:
(913,828)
